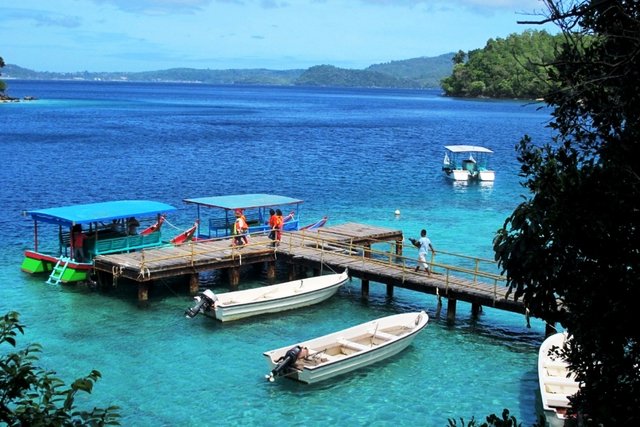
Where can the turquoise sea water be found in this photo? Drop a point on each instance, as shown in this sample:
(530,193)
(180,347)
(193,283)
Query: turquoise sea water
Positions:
(354,155)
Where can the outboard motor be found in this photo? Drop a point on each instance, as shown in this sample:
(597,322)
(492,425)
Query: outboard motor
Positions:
(204,301)
(285,363)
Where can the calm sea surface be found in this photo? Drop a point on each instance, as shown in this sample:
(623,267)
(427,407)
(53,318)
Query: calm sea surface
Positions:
(352,154)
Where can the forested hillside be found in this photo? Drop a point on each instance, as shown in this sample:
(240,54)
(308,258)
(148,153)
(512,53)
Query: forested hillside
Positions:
(328,75)
(505,68)
(424,72)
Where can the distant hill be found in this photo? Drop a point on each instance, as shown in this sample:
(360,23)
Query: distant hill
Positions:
(411,73)
(427,72)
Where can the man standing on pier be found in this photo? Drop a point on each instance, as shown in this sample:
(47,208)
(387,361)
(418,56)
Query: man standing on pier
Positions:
(423,244)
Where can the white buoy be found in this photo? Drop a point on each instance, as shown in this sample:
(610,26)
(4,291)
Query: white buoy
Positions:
(397,212)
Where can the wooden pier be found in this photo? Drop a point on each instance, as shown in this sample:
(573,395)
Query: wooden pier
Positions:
(370,253)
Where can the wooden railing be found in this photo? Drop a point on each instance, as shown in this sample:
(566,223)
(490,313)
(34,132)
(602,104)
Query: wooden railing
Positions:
(477,270)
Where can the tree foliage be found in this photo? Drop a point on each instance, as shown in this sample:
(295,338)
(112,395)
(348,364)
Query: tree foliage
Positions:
(515,67)
(32,396)
(571,250)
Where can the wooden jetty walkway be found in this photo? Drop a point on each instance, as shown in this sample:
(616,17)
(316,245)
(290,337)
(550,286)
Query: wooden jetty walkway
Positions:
(370,253)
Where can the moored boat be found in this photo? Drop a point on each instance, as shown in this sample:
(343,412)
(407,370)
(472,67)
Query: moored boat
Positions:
(343,351)
(467,163)
(255,208)
(557,382)
(109,227)
(267,299)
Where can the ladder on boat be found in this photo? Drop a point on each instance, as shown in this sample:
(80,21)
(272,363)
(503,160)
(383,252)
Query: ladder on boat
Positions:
(58,271)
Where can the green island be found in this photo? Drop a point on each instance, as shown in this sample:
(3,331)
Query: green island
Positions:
(514,67)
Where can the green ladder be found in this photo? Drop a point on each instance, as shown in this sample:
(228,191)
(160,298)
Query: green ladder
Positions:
(58,271)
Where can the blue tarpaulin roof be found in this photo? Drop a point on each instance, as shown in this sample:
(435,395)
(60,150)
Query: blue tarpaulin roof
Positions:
(100,212)
(244,201)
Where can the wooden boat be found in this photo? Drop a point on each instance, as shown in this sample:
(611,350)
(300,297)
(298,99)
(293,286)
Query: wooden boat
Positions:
(340,352)
(154,227)
(320,223)
(105,232)
(467,163)
(255,208)
(557,382)
(267,299)
(186,236)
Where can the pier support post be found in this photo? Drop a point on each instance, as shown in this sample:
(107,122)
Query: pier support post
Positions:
(451,310)
(143,292)
(271,270)
(365,288)
(234,276)
(476,309)
(399,247)
(194,283)
(389,290)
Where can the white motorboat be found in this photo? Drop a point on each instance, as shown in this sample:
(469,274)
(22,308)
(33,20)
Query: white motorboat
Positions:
(467,163)
(557,382)
(267,299)
(346,350)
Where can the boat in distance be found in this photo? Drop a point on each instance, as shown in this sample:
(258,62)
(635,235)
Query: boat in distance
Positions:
(467,163)
(344,351)
(267,299)
(557,382)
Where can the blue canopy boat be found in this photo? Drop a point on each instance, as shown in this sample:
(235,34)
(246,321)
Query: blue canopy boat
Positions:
(255,208)
(109,227)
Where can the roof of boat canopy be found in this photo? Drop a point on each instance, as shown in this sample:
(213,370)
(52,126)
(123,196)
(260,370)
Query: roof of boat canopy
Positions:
(244,201)
(104,211)
(467,149)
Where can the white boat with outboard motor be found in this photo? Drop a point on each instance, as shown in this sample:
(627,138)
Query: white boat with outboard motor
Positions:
(557,382)
(267,299)
(467,163)
(340,352)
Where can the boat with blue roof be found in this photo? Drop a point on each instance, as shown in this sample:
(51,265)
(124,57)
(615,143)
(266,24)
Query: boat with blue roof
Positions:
(98,228)
(216,214)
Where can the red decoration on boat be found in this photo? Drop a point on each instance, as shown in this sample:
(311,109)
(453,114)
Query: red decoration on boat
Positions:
(155,227)
(186,235)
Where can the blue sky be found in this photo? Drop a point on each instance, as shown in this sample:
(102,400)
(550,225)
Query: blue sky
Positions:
(145,35)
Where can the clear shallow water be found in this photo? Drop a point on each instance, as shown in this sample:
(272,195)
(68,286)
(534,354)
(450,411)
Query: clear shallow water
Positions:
(355,155)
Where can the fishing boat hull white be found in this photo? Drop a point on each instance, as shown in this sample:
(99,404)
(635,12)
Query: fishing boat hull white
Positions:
(467,163)
(268,299)
(557,382)
(344,351)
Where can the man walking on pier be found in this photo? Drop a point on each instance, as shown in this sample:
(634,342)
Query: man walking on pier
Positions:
(423,244)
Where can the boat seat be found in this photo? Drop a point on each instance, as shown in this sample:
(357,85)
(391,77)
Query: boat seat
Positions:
(557,400)
(557,364)
(352,345)
(383,335)
(560,380)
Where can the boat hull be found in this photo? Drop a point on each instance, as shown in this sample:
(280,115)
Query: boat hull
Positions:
(486,176)
(39,263)
(354,348)
(457,174)
(556,382)
(276,298)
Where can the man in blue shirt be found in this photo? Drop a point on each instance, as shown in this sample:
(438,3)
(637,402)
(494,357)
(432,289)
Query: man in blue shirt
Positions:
(423,244)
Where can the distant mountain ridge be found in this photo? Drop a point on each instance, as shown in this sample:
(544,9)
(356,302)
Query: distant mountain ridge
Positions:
(416,73)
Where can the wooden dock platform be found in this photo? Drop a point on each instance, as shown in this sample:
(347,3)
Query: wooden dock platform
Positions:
(351,245)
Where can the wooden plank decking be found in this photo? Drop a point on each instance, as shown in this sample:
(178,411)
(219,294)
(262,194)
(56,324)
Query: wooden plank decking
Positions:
(337,247)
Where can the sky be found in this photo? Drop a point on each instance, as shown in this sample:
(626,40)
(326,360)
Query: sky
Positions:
(149,35)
